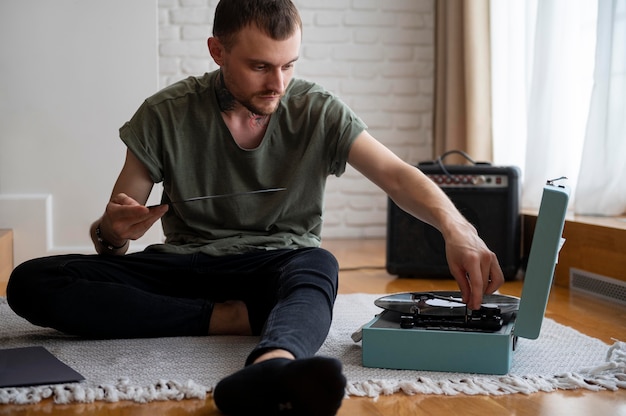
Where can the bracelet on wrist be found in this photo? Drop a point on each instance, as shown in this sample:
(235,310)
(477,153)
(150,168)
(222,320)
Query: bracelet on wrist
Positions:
(104,243)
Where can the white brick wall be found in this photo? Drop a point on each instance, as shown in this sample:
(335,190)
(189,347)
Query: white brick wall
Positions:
(377,55)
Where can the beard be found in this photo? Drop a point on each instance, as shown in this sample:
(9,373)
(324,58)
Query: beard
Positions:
(265,108)
(257,103)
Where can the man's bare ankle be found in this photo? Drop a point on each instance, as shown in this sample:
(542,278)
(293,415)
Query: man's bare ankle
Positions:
(274,354)
(230,318)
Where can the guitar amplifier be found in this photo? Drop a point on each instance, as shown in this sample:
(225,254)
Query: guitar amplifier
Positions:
(488,196)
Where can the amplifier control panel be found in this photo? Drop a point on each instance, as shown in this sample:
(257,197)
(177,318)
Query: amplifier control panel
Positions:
(470,180)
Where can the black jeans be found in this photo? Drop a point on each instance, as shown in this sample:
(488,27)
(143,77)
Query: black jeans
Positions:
(289,295)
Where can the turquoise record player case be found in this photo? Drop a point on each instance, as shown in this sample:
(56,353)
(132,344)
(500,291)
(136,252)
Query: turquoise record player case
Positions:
(386,344)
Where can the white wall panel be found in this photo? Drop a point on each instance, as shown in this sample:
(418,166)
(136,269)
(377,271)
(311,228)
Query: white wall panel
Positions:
(71,73)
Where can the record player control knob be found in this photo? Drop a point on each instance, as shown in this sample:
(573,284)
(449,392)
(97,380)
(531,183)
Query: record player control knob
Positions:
(406,322)
(486,317)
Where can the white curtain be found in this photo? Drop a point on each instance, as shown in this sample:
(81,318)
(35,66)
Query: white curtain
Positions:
(602,180)
(542,76)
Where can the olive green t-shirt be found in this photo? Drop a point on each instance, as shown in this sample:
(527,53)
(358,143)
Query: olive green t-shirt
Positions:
(181,138)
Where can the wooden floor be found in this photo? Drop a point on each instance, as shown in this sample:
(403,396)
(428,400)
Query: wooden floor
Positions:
(362,263)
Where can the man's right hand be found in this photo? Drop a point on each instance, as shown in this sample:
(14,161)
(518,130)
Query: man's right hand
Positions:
(126,219)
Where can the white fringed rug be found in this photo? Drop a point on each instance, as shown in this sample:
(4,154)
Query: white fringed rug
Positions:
(145,370)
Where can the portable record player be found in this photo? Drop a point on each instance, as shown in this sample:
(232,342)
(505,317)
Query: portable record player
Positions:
(435,331)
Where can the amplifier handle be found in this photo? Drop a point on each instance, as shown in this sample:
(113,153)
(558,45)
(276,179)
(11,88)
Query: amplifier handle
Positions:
(439,161)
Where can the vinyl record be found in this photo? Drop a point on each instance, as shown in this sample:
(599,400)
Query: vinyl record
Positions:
(441,303)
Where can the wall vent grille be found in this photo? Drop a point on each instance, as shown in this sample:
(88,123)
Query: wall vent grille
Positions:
(597,285)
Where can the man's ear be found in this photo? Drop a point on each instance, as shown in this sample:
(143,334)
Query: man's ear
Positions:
(216,49)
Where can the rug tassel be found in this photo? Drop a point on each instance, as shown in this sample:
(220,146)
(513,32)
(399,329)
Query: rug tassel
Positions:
(122,390)
(607,376)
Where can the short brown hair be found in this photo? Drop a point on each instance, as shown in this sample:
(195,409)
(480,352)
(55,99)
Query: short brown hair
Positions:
(279,19)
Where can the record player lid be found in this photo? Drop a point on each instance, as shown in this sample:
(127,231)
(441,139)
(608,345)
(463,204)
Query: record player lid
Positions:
(546,244)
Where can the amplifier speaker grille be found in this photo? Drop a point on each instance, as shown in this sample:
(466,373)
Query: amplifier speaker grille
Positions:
(490,203)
